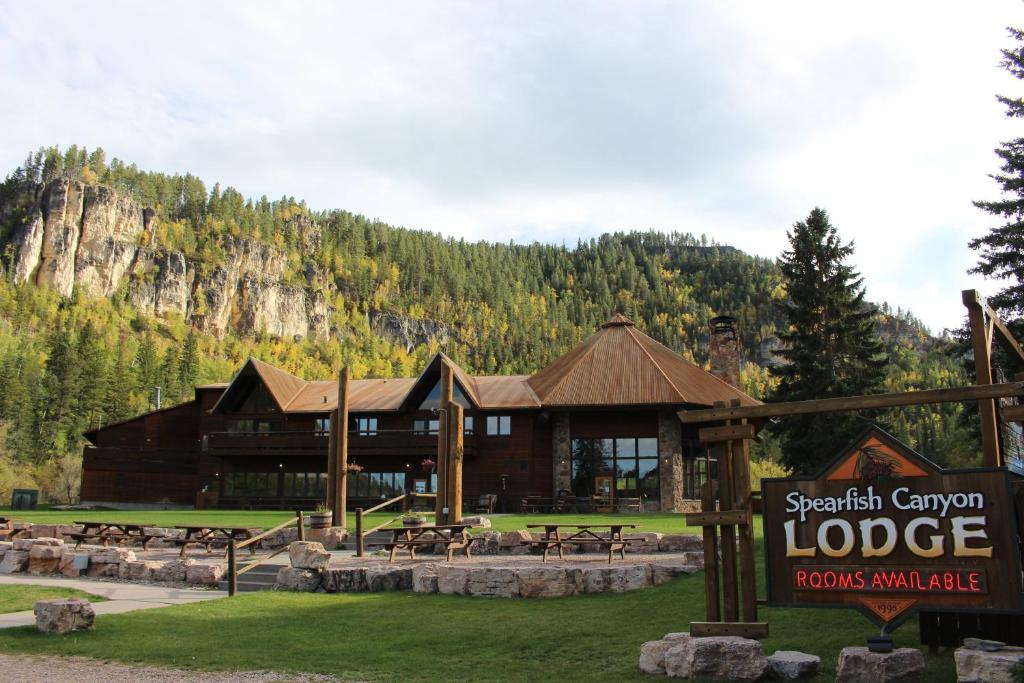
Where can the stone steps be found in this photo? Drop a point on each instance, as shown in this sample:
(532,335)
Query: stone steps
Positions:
(260,578)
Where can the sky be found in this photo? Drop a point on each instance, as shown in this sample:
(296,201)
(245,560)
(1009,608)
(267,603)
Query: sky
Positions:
(553,121)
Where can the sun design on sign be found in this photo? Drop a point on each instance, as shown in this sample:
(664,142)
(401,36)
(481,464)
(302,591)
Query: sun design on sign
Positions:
(874,465)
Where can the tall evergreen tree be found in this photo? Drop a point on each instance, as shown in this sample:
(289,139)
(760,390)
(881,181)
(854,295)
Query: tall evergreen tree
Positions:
(830,343)
(1002,249)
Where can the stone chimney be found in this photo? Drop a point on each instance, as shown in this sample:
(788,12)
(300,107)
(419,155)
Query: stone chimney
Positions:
(724,350)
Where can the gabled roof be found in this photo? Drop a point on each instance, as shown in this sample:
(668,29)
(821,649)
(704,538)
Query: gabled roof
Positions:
(619,365)
(430,376)
(283,386)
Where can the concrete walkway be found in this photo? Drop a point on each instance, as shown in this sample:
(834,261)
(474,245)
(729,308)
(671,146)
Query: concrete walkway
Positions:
(121,597)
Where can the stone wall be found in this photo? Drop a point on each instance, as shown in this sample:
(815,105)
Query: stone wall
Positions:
(670,453)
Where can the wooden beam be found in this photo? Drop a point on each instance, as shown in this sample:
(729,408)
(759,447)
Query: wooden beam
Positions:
(729,517)
(1013,413)
(981,341)
(756,630)
(741,496)
(332,463)
(711,588)
(853,403)
(729,433)
(441,504)
(341,490)
(972,297)
(455,453)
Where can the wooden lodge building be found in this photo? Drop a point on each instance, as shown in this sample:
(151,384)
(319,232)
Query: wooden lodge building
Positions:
(599,421)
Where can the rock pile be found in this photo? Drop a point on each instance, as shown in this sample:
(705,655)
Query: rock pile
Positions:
(721,658)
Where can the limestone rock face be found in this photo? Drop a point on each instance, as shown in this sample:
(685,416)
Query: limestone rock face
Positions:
(652,653)
(409,332)
(308,555)
(346,580)
(424,578)
(292,579)
(452,580)
(64,615)
(44,559)
(790,664)
(860,665)
(62,210)
(979,666)
(14,561)
(614,579)
(492,582)
(388,578)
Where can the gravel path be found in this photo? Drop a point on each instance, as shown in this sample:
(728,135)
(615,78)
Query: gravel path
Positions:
(27,669)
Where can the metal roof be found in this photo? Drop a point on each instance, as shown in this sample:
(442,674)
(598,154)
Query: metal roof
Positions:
(619,365)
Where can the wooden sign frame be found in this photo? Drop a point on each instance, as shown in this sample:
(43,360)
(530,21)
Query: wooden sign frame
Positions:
(804,567)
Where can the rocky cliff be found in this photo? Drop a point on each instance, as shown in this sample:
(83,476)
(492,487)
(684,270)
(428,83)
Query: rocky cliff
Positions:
(97,240)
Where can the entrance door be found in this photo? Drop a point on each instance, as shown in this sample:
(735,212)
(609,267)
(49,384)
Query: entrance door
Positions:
(604,491)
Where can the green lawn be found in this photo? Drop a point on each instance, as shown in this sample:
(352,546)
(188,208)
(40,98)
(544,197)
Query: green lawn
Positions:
(416,637)
(21,597)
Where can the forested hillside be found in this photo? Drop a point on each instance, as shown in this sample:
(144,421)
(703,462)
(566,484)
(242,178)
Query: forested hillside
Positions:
(117,280)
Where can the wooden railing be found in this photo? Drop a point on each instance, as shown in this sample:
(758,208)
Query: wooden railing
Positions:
(234,570)
(407,500)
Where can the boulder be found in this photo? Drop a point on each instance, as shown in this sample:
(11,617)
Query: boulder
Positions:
(73,564)
(725,658)
(332,538)
(174,571)
(424,578)
(492,582)
(344,580)
(511,542)
(64,615)
(677,543)
(452,580)
(663,572)
(14,561)
(279,538)
(678,657)
(64,529)
(487,543)
(986,666)
(44,559)
(983,644)
(860,665)
(477,522)
(652,653)
(616,579)
(204,574)
(297,579)
(6,545)
(649,544)
(140,570)
(790,664)
(308,555)
(23,544)
(105,570)
(111,555)
(549,581)
(41,531)
(388,578)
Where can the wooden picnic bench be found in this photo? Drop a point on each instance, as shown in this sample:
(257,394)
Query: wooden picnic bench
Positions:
(209,536)
(105,532)
(452,536)
(584,534)
(7,530)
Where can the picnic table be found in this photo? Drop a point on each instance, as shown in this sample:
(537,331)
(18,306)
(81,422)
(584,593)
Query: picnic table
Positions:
(583,534)
(452,536)
(210,536)
(536,504)
(7,530)
(112,531)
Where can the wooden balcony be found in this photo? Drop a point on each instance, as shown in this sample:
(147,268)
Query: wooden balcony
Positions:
(404,443)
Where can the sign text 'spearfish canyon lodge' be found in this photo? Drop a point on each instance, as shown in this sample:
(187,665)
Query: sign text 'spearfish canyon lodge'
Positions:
(599,424)
(883,529)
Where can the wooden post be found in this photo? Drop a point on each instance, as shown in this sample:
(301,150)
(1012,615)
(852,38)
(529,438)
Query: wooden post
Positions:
(440,505)
(730,607)
(232,569)
(981,340)
(301,522)
(741,496)
(359,532)
(332,461)
(711,591)
(455,453)
(340,501)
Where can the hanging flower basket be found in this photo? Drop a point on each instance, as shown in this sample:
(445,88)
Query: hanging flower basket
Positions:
(428,465)
(353,468)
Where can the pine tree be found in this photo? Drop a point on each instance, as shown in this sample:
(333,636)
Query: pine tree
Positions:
(831,345)
(1002,249)
(147,369)
(188,366)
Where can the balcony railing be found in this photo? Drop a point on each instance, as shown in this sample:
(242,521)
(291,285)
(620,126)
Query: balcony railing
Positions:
(397,442)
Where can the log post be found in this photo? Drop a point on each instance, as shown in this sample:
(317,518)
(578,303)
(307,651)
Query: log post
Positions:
(441,503)
(232,569)
(300,521)
(332,460)
(455,453)
(359,532)
(981,341)
(340,500)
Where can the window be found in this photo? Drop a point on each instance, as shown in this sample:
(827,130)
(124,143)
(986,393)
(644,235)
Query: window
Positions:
(322,426)
(425,427)
(376,484)
(499,425)
(467,425)
(252,427)
(633,464)
(366,426)
(433,399)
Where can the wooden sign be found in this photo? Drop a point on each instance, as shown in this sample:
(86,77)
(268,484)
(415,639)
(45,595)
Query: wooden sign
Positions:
(885,530)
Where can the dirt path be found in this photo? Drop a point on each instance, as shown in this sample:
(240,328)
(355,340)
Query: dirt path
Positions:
(29,669)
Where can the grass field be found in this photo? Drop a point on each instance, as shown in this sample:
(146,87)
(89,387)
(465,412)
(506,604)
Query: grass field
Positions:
(417,637)
(18,598)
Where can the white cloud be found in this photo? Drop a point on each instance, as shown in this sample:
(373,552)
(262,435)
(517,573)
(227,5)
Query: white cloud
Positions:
(532,120)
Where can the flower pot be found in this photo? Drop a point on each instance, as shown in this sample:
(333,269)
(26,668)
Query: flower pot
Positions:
(413,521)
(320,520)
